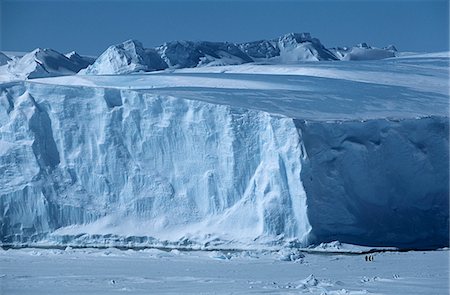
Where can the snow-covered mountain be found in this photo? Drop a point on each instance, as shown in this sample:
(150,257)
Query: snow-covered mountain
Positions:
(124,58)
(261,50)
(131,56)
(290,48)
(242,156)
(4,59)
(188,54)
(82,61)
(43,63)
(302,47)
(363,51)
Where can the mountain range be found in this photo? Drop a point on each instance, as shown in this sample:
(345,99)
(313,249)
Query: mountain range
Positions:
(131,56)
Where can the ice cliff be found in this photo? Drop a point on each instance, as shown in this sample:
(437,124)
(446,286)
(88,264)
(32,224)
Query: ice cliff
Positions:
(130,164)
(228,160)
(380,181)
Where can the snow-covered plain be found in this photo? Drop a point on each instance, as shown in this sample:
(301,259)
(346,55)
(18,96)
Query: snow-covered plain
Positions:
(151,271)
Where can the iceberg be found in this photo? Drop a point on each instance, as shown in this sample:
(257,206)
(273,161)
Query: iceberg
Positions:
(265,156)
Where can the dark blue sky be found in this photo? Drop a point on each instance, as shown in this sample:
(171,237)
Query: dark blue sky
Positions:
(91,26)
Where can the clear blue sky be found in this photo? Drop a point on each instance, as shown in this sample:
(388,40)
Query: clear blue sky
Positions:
(91,26)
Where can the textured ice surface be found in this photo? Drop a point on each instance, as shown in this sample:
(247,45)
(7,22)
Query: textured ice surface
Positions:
(162,166)
(257,158)
(380,182)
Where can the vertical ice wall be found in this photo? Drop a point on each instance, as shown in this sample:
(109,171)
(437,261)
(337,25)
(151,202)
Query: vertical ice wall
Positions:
(82,164)
(378,182)
(102,161)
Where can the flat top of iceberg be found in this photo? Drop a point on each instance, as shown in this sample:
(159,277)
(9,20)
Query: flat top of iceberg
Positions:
(396,88)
